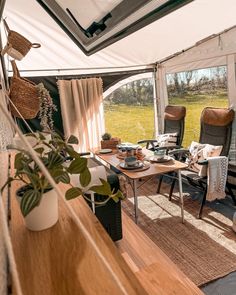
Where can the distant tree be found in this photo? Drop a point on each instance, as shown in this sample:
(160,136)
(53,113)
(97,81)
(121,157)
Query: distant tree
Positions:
(138,92)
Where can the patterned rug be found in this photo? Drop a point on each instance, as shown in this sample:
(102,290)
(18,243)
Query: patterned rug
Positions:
(203,249)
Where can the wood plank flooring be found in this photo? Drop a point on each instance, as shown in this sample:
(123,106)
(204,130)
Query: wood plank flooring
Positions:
(155,271)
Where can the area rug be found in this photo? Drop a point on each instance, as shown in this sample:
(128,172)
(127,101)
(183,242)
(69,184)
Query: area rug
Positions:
(203,249)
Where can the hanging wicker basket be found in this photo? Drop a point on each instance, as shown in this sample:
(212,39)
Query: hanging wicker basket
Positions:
(17,45)
(24,95)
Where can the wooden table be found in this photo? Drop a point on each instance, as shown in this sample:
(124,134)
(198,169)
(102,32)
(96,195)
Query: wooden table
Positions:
(153,170)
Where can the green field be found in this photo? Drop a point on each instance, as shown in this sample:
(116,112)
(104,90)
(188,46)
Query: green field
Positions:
(132,123)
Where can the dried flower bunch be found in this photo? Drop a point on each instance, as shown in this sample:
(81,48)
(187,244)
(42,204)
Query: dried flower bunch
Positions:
(47,107)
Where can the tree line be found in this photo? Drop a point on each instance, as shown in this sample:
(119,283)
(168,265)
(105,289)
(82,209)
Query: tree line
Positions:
(140,92)
(206,81)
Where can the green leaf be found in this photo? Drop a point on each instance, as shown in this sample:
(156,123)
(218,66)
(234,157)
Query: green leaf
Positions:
(41,136)
(103,189)
(70,150)
(118,196)
(29,201)
(45,162)
(73,140)
(77,166)
(18,165)
(56,136)
(85,177)
(73,193)
(34,178)
(54,159)
(60,176)
(39,150)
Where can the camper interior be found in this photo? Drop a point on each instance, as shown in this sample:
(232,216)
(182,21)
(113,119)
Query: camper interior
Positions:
(80,208)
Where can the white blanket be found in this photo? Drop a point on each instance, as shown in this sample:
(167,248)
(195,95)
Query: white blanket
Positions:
(216,177)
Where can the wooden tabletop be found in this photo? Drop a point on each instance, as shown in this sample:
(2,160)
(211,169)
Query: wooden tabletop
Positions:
(154,169)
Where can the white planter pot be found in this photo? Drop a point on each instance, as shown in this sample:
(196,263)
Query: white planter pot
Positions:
(45,215)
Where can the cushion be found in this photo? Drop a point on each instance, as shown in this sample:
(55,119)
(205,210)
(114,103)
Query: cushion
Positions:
(217,116)
(199,152)
(174,113)
(167,139)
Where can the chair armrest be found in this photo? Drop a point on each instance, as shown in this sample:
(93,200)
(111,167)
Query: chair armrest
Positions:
(203,162)
(179,151)
(147,141)
(169,147)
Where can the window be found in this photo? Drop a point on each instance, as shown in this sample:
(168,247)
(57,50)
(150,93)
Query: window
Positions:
(195,90)
(129,112)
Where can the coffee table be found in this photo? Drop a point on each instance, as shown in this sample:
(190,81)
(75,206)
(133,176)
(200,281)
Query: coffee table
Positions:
(155,169)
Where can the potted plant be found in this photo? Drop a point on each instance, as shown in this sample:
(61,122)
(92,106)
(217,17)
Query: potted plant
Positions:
(38,201)
(109,142)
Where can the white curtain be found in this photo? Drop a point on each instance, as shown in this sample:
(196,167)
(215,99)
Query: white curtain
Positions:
(82,110)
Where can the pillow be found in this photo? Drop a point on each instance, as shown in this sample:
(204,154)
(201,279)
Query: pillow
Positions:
(195,155)
(199,152)
(167,139)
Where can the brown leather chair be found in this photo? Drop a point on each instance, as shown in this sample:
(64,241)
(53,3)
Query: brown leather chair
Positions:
(174,118)
(216,129)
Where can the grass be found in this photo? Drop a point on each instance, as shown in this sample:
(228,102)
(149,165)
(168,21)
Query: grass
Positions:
(132,123)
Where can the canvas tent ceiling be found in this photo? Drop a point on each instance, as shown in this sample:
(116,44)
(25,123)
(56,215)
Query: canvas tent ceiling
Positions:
(113,22)
(172,33)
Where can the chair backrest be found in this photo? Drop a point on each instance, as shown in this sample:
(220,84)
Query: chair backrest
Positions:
(216,127)
(174,121)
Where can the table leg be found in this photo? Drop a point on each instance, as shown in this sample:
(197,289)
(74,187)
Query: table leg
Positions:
(135,201)
(181,195)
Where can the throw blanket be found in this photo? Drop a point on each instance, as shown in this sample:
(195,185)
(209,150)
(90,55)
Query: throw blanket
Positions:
(216,177)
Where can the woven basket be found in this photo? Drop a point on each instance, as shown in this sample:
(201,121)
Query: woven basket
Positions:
(17,45)
(110,144)
(24,95)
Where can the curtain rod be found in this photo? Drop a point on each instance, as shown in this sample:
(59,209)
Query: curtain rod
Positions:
(105,74)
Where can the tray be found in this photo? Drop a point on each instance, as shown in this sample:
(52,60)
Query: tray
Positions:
(142,167)
(105,151)
(138,166)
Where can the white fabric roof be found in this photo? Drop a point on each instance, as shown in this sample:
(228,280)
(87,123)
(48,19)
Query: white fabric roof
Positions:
(172,33)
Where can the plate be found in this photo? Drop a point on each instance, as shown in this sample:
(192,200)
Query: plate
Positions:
(124,166)
(165,159)
(128,145)
(105,151)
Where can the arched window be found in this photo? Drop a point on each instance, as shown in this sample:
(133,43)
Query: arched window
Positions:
(129,112)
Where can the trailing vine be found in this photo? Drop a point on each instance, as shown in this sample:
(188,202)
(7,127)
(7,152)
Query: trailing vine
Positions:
(47,107)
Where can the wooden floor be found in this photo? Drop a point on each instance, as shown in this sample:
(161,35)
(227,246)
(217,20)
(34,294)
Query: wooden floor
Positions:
(153,268)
